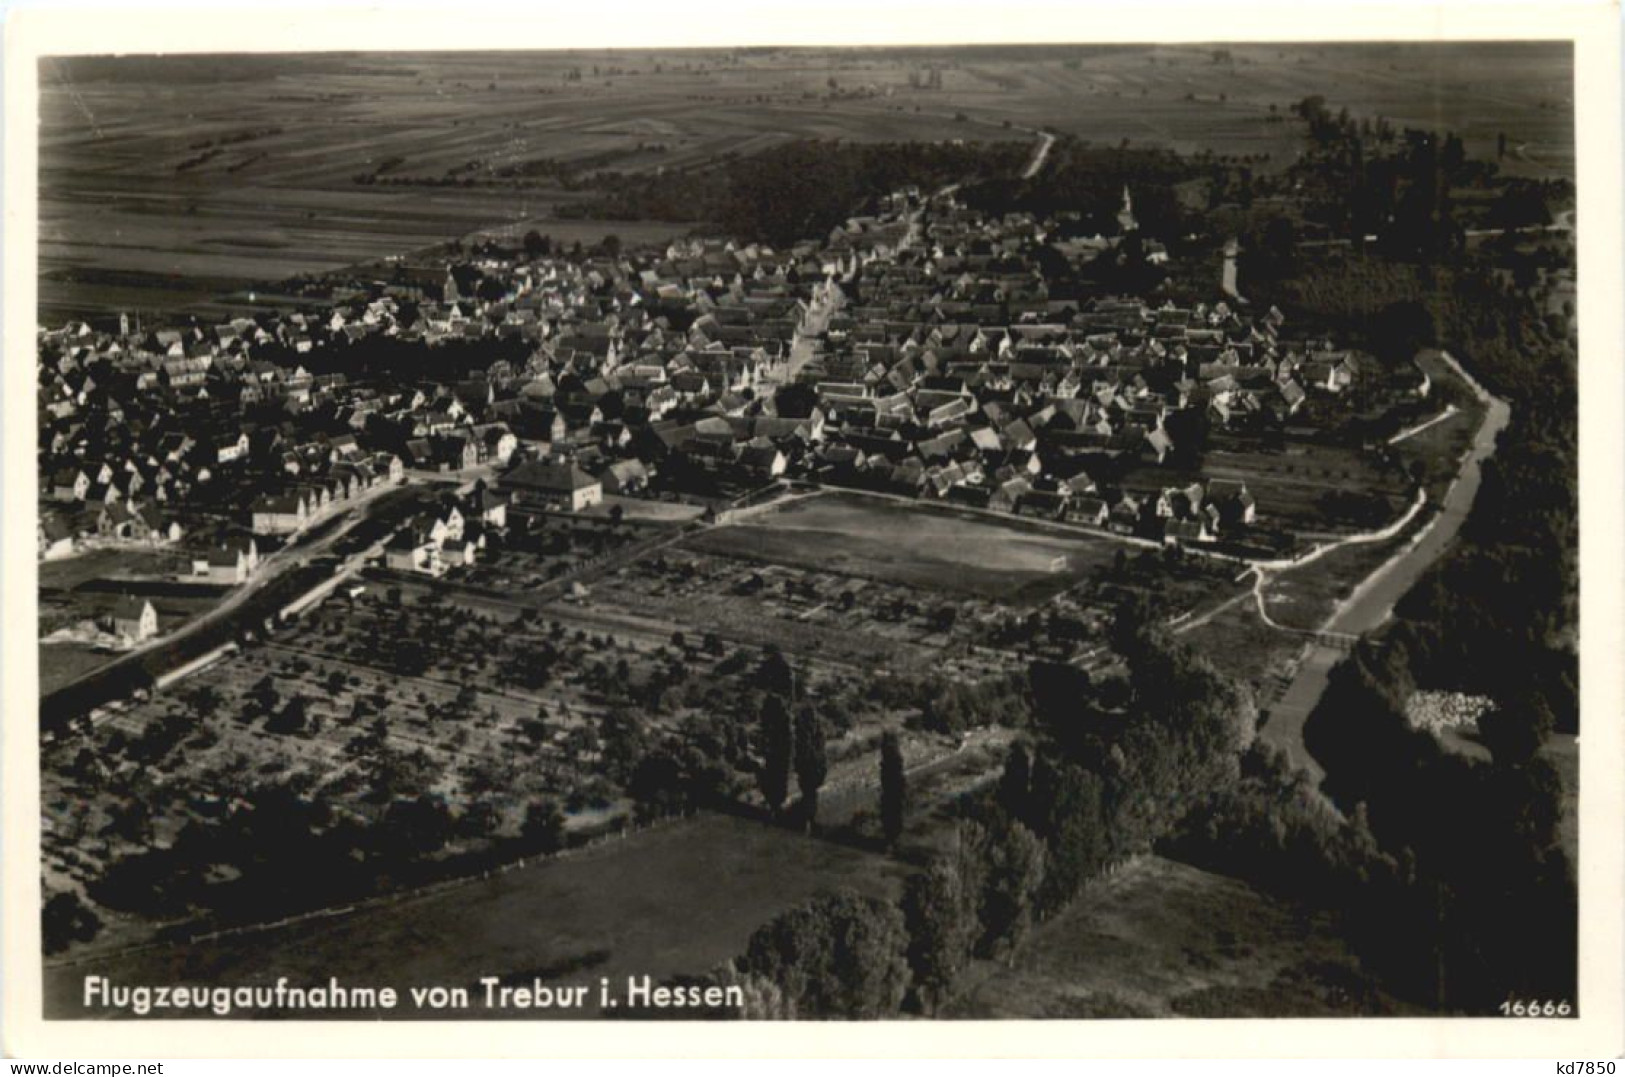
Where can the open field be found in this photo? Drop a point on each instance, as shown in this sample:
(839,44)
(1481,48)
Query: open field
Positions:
(1162,939)
(64,663)
(168,180)
(929,547)
(679,898)
(108,561)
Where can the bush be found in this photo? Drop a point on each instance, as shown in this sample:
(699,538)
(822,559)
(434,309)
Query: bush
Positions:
(66,919)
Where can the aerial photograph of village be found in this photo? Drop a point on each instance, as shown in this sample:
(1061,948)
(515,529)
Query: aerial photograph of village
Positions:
(1053,531)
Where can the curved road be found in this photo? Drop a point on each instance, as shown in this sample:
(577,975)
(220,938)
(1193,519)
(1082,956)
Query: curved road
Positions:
(1372,602)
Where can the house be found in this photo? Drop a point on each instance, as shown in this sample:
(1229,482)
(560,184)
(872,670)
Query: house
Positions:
(389,464)
(1185,532)
(1125,516)
(414,551)
(231,449)
(230,562)
(70,484)
(280,514)
(499,441)
(137,523)
(55,538)
(1088,510)
(558,484)
(489,506)
(1159,443)
(1233,505)
(454,552)
(132,620)
(625,477)
(764,459)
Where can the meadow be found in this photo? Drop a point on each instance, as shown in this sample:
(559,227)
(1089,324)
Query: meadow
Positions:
(679,898)
(1162,939)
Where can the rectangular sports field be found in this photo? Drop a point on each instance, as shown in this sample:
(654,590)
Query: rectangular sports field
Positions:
(927,546)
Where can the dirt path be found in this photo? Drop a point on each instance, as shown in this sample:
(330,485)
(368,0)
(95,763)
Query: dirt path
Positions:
(1040,155)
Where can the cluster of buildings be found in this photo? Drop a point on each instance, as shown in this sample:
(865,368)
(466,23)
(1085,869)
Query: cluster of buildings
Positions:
(451,534)
(923,349)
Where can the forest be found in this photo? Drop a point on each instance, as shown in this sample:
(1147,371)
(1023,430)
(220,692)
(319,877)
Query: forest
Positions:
(796,191)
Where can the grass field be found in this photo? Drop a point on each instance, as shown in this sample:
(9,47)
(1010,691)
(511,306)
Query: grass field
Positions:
(64,663)
(677,899)
(918,545)
(191,176)
(1162,939)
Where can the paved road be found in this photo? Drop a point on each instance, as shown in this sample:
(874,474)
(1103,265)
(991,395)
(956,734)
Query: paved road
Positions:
(272,566)
(1372,602)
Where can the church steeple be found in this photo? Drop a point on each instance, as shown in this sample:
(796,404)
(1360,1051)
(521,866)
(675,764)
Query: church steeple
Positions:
(1125,216)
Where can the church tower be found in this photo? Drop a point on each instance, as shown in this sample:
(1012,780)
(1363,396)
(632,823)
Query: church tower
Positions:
(1125,216)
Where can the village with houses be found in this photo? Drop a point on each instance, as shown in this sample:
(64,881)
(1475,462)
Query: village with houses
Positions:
(890,451)
(1067,558)
(918,357)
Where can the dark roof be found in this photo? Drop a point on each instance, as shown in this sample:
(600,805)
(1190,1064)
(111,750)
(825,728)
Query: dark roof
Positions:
(556,477)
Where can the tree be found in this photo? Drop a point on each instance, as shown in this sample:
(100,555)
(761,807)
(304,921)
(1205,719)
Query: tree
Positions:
(290,719)
(811,759)
(66,919)
(544,826)
(893,789)
(205,700)
(1400,330)
(773,777)
(1015,783)
(1015,874)
(416,826)
(264,693)
(659,787)
(478,820)
(775,675)
(1515,733)
(1067,811)
(941,919)
(837,955)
